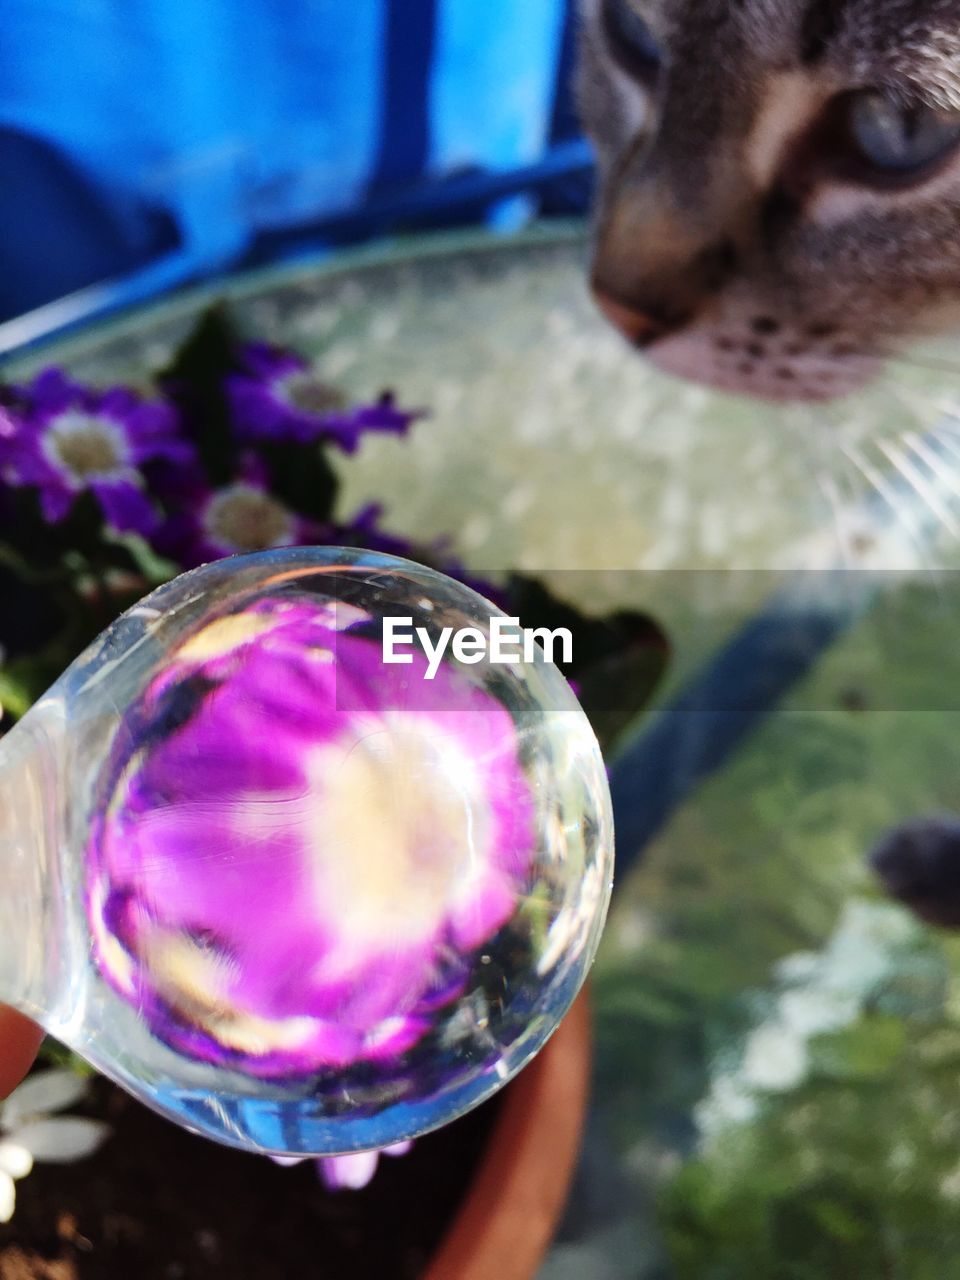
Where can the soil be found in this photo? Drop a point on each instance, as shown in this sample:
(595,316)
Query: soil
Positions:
(157,1203)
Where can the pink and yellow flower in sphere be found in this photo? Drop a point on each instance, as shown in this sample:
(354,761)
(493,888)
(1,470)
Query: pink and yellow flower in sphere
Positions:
(300,852)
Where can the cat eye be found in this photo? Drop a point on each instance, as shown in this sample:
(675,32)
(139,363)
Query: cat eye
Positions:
(899,138)
(631,41)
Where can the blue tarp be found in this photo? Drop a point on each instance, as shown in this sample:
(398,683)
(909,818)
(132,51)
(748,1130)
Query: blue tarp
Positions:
(133,130)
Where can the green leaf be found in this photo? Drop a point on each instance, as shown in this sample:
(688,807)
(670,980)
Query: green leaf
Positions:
(141,558)
(838,1220)
(208,354)
(618,660)
(54,1054)
(303,478)
(194,380)
(868,1050)
(616,689)
(15,696)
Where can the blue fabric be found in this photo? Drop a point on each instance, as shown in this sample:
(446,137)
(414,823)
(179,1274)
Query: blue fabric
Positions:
(492,85)
(138,129)
(405,109)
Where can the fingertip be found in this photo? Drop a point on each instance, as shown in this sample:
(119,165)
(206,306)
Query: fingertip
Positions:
(19,1041)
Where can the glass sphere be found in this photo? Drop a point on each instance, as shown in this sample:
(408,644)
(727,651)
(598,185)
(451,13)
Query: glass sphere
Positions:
(322,901)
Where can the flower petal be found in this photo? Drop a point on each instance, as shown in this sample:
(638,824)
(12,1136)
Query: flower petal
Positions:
(61,1139)
(41,1093)
(15,1159)
(269,363)
(8,1196)
(126,507)
(52,390)
(398,1148)
(55,504)
(350,1172)
(256,412)
(389,838)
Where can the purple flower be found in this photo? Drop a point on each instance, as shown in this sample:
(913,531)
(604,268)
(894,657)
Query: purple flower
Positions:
(278,397)
(296,854)
(71,439)
(207,524)
(350,1172)
(354,1171)
(364,531)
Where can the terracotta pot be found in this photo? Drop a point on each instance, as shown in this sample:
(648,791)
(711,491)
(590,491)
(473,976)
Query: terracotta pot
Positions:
(508,1217)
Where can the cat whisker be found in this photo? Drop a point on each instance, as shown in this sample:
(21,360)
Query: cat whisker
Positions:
(911,359)
(943,471)
(840,496)
(948,434)
(904,516)
(843,518)
(928,409)
(920,485)
(947,437)
(824,479)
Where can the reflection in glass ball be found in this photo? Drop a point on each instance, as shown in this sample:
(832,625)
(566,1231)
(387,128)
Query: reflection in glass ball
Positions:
(351,897)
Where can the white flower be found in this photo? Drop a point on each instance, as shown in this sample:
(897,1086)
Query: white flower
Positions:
(28,1131)
(813,1011)
(775,1059)
(865,947)
(950,1185)
(818,993)
(728,1104)
(800,966)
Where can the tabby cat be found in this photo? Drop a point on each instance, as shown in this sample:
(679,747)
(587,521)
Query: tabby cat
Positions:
(780,183)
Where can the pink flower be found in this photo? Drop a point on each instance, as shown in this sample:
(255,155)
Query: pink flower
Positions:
(299,853)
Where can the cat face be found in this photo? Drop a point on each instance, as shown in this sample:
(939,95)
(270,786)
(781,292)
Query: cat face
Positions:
(779,205)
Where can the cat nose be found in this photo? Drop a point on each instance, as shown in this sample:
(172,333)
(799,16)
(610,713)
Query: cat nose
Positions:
(638,326)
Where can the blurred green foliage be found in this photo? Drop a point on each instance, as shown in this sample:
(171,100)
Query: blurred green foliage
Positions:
(849,1166)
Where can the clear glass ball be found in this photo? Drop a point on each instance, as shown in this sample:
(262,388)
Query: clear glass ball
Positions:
(323,902)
